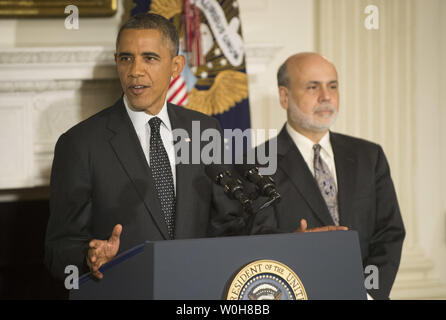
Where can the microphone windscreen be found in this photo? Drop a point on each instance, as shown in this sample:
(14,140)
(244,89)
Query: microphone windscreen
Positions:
(214,170)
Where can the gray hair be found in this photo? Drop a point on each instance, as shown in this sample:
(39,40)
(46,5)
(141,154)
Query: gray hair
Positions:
(283,78)
(157,22)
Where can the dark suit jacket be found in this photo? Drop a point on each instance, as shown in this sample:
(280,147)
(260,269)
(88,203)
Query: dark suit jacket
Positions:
(367,200)
(100,177)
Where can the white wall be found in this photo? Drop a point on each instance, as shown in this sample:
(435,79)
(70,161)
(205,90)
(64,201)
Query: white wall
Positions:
(392,93)
(442,71)
(288,24)
(430,69)
(52,32)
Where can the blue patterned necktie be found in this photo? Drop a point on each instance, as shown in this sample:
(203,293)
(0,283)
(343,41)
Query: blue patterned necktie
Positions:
(162,174)
(326,184)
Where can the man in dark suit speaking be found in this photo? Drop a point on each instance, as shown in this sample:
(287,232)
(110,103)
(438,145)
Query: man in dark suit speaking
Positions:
(326,178)
(115,181)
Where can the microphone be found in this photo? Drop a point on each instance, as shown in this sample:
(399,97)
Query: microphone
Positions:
(233,187)
(265,185)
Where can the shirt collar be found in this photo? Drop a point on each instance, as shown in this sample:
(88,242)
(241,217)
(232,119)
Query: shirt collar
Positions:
(305,145)
(326,145)
(140,119)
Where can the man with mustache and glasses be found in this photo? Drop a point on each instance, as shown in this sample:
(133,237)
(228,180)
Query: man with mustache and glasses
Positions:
(326,178)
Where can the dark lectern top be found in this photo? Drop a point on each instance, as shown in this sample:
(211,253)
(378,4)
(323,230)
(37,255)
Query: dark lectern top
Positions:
(328,265)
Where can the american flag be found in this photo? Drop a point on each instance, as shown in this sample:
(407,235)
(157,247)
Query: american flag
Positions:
(177,93)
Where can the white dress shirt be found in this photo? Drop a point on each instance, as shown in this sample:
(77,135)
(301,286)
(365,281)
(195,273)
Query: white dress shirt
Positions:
(140,121)
(305,147)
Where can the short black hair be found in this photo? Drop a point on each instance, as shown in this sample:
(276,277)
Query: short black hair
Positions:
(153,21)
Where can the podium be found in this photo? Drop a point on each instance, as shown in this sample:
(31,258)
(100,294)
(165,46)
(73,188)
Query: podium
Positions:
(319,265)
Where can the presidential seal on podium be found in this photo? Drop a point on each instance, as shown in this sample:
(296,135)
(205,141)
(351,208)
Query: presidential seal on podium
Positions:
(266,280)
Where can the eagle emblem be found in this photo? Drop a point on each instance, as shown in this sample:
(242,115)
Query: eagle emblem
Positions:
(265,280)
(216,67)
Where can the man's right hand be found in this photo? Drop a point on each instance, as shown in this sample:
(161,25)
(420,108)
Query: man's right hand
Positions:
(303,228)
(102,251)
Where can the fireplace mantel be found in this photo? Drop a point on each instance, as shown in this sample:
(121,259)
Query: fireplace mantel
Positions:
(45,91)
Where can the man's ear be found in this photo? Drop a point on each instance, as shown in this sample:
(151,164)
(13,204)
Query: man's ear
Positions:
(283,97)
(178,63)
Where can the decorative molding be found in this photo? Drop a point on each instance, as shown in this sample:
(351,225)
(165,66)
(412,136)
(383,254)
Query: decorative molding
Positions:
(416,280)
(90,63)
(59,55)
(259,56)
(258,53)
(67,63)
(54,85)
(43,92)
(16,162)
